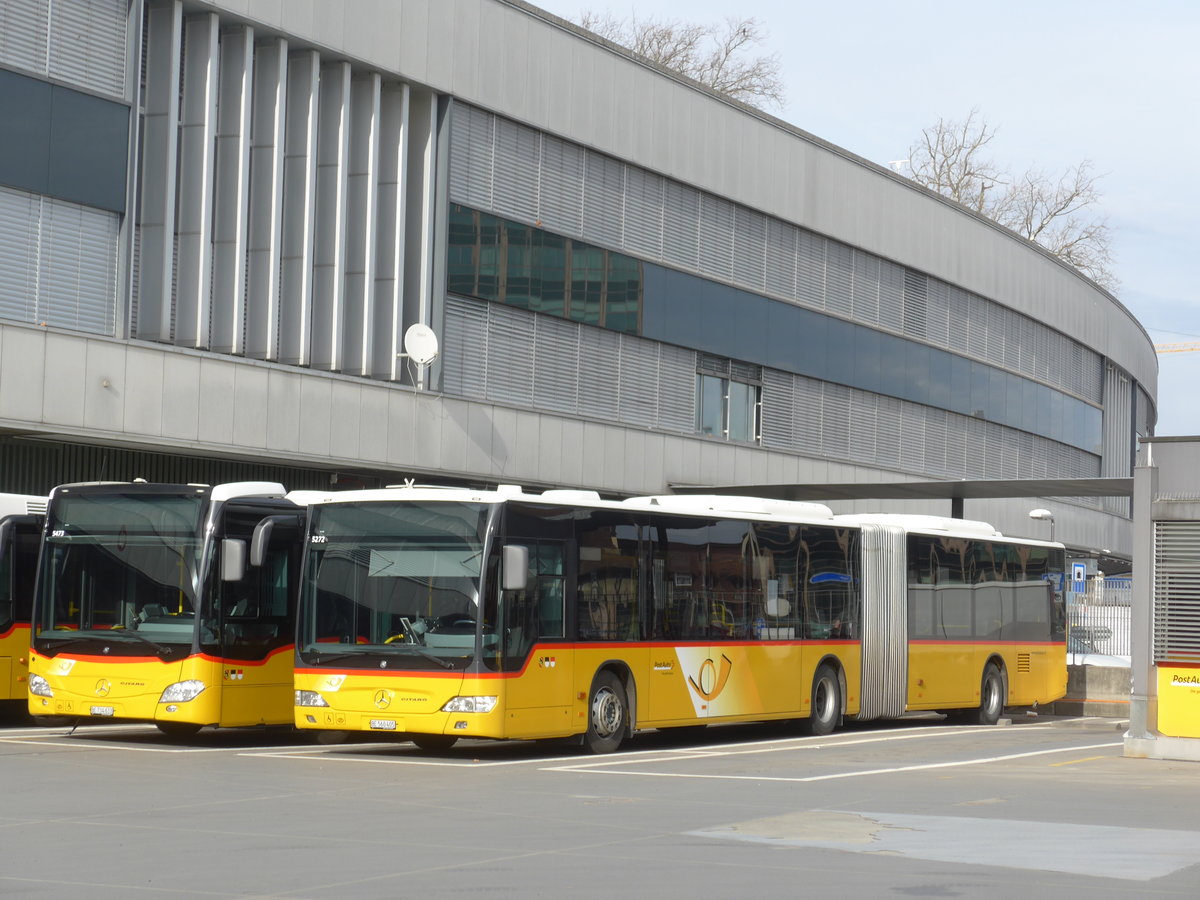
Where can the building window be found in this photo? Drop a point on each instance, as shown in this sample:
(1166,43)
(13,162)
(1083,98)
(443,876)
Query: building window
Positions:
(519,265)
(728,395)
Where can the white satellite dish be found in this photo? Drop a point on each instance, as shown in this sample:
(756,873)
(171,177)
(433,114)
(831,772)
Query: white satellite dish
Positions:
(420,344)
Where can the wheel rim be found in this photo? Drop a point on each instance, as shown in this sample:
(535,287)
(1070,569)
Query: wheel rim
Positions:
(606,712)
(991,694)
(823,700)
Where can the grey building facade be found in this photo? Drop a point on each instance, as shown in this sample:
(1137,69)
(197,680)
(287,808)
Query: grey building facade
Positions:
(220,218)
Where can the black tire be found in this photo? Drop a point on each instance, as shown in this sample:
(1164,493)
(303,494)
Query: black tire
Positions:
(608,714)
(178,729)
(433,741)
(826,710)
(991,696)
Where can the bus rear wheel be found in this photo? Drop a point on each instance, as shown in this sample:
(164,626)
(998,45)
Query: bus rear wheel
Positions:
(991,696)
(433,741)
(608,714)
(826,701)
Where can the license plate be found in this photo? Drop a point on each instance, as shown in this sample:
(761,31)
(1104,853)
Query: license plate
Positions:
(383,724)
(102,710)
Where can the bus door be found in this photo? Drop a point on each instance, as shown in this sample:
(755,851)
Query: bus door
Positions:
(19,538)
(256,616)
(538,664)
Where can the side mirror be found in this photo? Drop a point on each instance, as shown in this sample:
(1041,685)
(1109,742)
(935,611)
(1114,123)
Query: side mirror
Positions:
(514,568)
(261,538)
(233,559)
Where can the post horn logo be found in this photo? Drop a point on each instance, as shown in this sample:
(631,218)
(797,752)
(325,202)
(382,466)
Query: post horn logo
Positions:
(383,699)
(103,686)
(710,680)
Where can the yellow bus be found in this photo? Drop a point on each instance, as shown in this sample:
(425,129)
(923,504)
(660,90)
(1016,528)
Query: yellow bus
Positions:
(20,535)
(441,613)
(167,603)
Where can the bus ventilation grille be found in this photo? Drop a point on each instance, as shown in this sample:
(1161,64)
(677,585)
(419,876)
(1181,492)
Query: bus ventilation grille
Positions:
(1023,662)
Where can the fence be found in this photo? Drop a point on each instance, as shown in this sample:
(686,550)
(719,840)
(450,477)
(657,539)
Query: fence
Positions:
(1098,618)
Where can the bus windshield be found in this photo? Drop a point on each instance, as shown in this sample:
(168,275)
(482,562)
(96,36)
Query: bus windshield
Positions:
(393,584)
(120,567)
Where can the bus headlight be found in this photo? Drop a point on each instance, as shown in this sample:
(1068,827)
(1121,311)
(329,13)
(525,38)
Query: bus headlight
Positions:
(470,705)
(182,691)
(309,698)
(40,686)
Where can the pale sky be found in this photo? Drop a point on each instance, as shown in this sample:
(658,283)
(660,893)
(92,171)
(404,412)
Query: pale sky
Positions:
(1060,81)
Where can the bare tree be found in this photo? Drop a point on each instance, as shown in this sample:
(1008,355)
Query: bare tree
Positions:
(717,56)
(1060,214)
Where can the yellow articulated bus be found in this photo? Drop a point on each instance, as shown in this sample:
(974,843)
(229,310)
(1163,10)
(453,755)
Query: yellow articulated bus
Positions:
(167,603)
(20,535)
(441,613)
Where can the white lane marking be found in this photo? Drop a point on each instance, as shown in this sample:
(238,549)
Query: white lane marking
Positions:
(658,755)
(76,745)
(601,769)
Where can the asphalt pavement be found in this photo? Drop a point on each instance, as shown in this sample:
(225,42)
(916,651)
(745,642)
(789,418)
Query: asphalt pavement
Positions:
(1038,807)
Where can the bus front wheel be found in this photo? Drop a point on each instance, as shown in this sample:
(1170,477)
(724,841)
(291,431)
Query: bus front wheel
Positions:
(826,701)
(991,696)
(608,714)
(178,729)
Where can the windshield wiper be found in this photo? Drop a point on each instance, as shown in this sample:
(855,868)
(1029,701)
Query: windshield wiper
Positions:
(323,657)
(161,648)
(93,638)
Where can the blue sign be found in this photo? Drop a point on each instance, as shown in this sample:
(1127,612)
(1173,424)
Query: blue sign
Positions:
(1079,574)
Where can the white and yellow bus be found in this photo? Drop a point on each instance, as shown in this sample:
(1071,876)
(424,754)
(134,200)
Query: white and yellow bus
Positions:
(440,614)
(167,603)
(20,535)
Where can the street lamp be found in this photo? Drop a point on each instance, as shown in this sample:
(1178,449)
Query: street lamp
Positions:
(1045,515)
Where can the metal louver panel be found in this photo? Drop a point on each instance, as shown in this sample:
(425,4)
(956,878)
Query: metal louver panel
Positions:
(716,237)
(20,223)
(556,364)
(78,281)
(681,226)
(677,389)
(778,397)
(835,420)
(915,303)
(749,248)
(638,382)
(644,213)
(561,195)
(510,355)
(864,414)
(781,259)
(1176,591)
(889,420)
(865,292)
(884,623)
(839,279)
(24,27)
(87,44)
(600,351)
(891,296)
(518,159)
(603,200)
(810,269)
(465,348)
(472,156)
